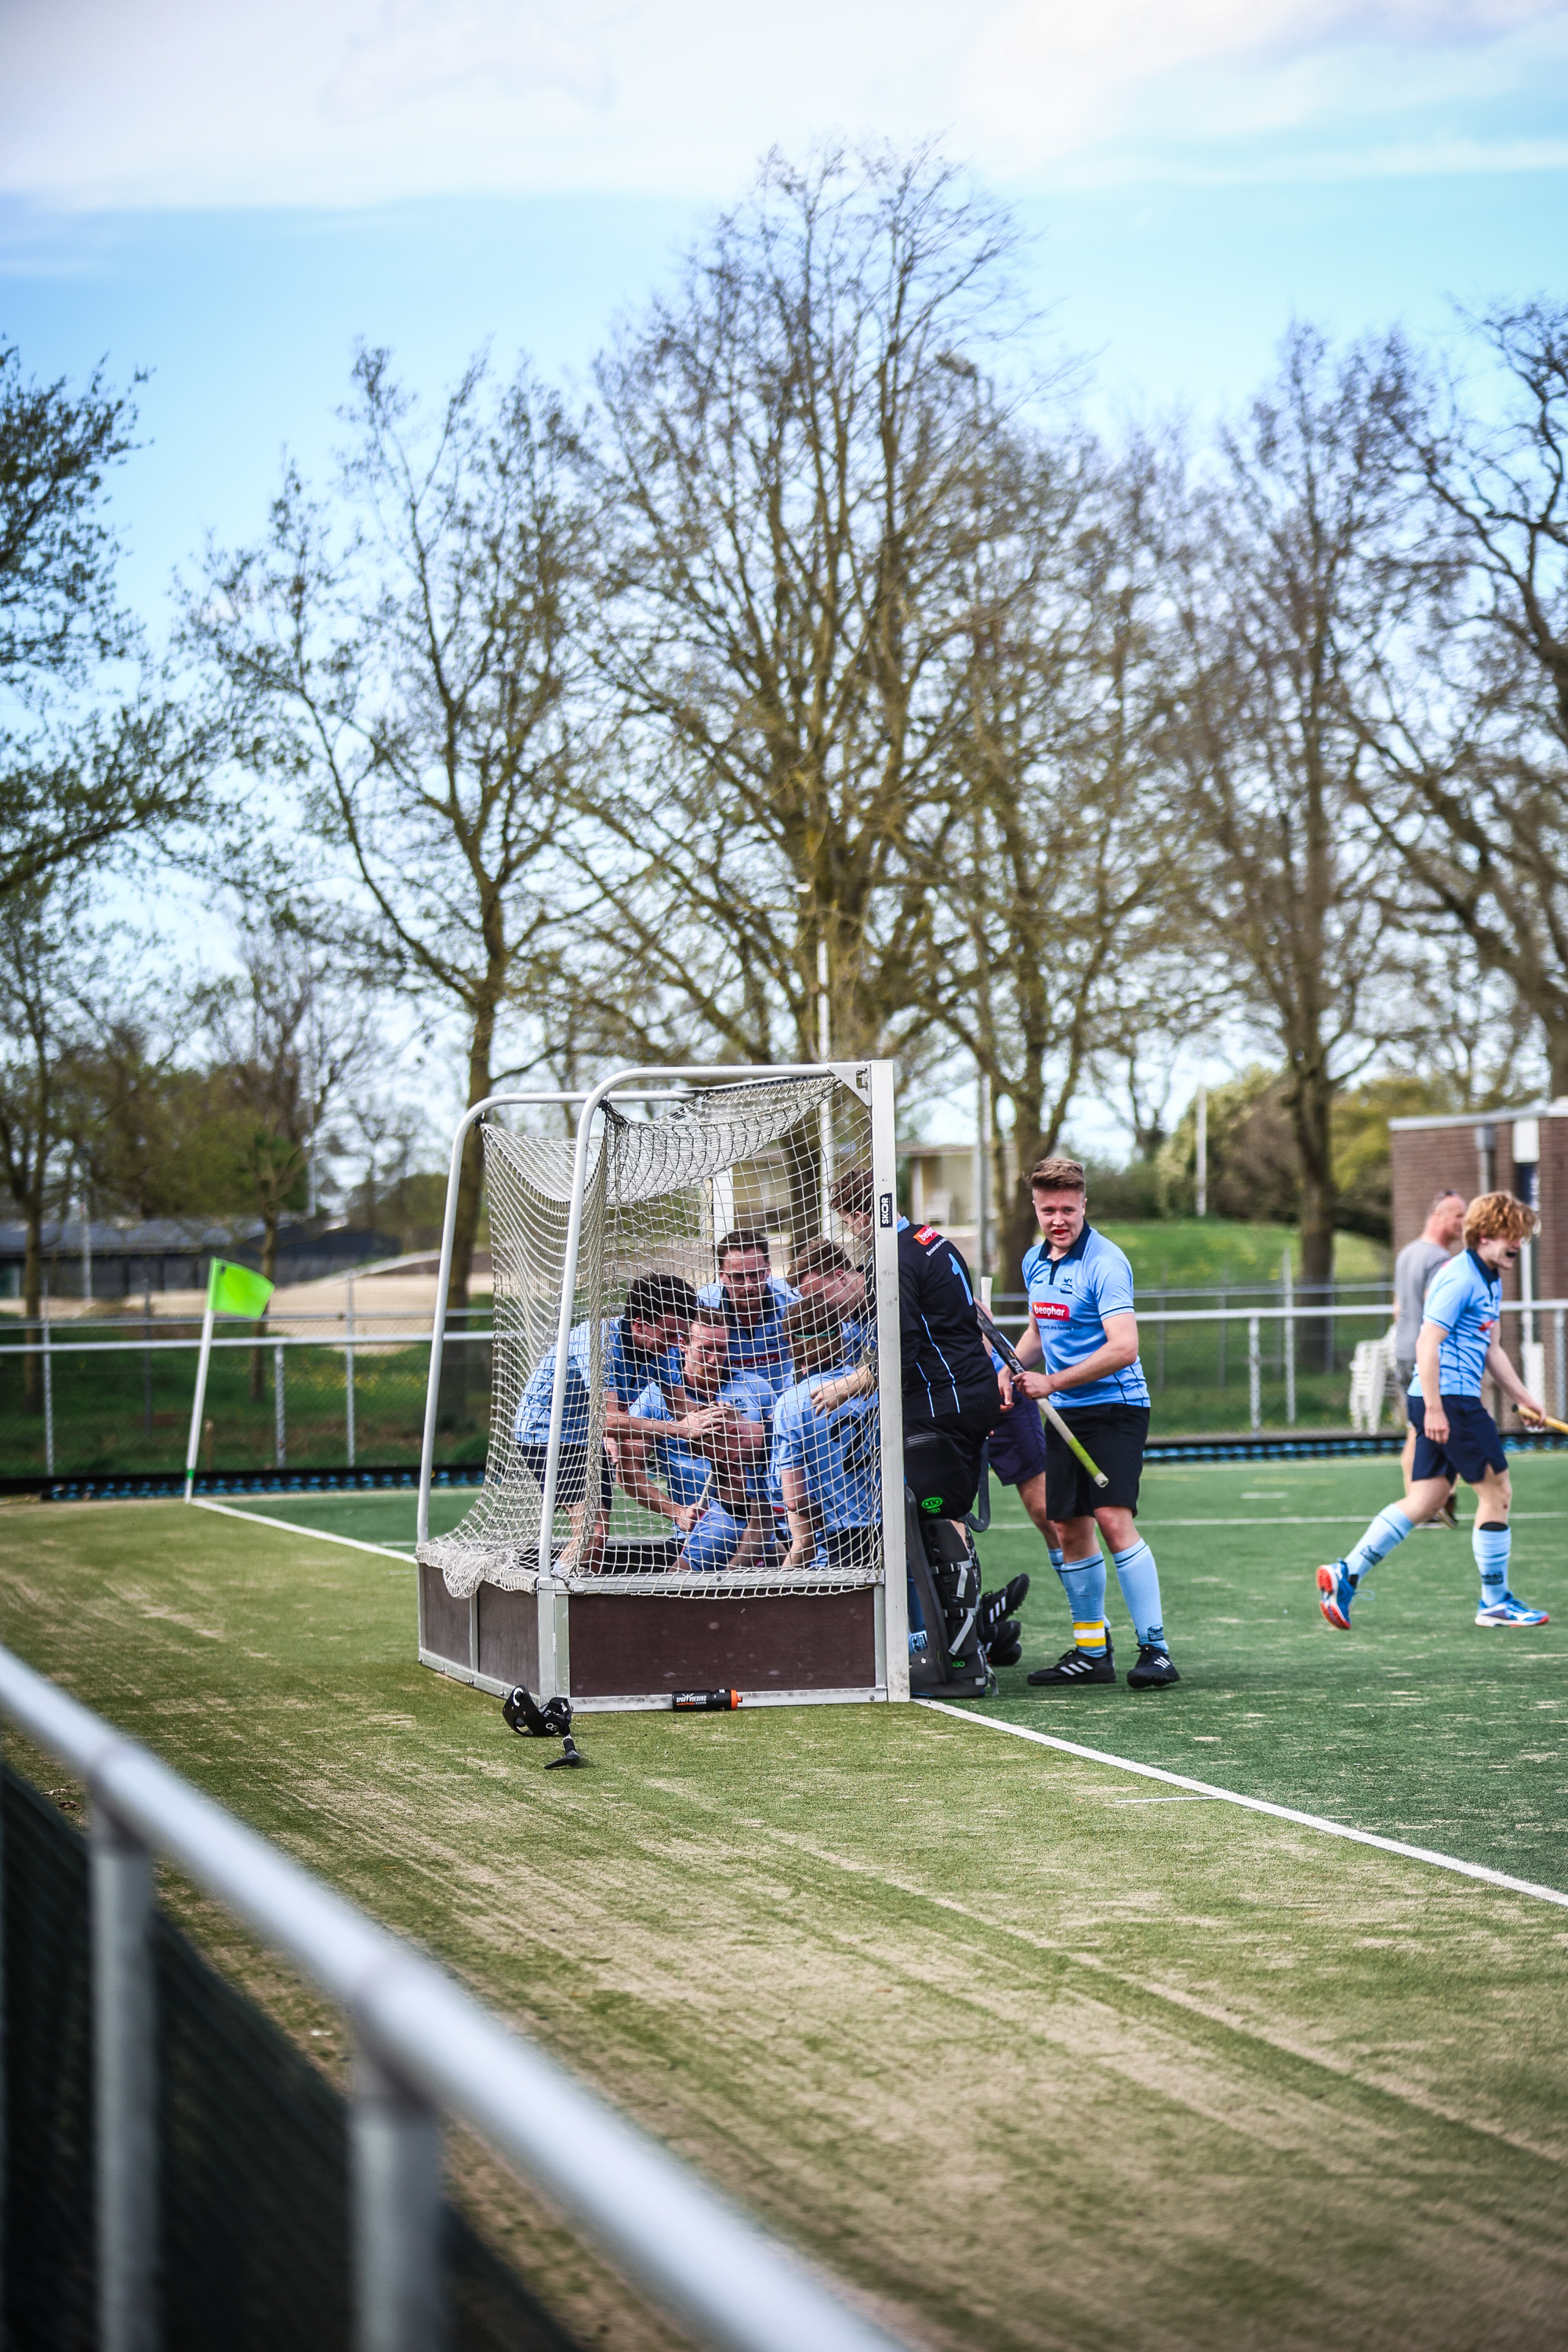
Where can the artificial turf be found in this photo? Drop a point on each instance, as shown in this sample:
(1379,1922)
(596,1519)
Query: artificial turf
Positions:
(1030,2051)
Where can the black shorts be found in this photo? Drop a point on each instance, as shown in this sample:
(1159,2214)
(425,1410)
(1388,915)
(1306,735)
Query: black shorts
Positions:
(1115,1434)
(571,1474)
(1473,1448)
(941,1458)
(1018,1444)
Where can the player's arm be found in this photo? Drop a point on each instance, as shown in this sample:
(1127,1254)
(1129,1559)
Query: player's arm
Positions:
(1117,1351)
(632,1471)
(1429,1372)
(1502,1371)
(830,1394)
(803,1517)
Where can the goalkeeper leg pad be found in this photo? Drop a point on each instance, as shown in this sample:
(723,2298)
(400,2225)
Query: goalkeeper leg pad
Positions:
(945,1579)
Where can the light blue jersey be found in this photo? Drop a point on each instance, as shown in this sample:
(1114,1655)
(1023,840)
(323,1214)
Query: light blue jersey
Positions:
(838,1453)
(625,1371)
(1466,1298)
(1069,1298)
(686,1473)
(761,1350)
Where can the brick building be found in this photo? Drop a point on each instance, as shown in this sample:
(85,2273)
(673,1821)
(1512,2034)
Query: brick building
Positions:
(1523,1151)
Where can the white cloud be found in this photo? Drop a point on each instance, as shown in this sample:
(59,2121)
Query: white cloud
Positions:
(185,102)
(421,47)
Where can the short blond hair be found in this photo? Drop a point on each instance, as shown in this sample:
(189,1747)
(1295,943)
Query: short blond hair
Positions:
(1499,1217)
(1059,1174)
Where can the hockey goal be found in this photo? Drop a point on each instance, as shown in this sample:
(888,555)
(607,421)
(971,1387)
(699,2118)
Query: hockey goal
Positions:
(689,1452)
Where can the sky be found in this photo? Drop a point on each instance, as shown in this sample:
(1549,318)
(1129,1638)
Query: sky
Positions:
(226,197)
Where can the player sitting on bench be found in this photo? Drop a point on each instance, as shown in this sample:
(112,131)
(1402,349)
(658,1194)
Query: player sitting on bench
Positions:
(638,1348)
(825,1468)
(712,1454)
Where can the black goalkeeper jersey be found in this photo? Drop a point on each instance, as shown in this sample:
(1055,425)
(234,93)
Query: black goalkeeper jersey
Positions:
(948,1376)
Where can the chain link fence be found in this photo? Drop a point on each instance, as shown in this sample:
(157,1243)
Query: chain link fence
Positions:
(253,2146)
(95,1396)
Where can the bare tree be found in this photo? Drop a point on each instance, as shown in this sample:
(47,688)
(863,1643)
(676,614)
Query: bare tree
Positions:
(1053,931)
(1290,585)
(408,659)
(794,478)
(84,768)
(45,952)
(286,1043)
(1471,727)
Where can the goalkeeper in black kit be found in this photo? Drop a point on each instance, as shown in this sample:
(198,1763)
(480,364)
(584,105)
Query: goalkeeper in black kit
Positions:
(951,1399)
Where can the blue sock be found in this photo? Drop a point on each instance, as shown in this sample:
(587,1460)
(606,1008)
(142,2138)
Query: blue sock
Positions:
(1083,1582)
(1139,1581)
(1489,1542)
(1055,1556)
(1390,1528)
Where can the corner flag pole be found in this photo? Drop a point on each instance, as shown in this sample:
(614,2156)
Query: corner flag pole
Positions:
(231,1290)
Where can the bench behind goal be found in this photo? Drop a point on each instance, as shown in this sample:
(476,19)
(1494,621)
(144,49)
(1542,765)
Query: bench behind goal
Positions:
(587,1593)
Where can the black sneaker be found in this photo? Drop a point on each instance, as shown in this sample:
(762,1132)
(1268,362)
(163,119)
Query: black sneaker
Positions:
(1077,1665)
(995,1608)
(1154,1670)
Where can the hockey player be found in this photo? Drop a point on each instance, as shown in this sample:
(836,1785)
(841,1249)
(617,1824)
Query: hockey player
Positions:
(1084,1334)
(1456,1436)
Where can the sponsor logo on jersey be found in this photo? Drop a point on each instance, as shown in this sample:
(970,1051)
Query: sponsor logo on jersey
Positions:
(1051,1310)
(926,1233)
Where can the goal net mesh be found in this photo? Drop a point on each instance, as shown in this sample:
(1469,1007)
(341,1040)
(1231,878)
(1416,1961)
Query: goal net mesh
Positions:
(740,1450)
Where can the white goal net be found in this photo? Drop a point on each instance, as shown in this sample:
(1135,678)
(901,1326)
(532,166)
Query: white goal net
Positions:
(722,1407)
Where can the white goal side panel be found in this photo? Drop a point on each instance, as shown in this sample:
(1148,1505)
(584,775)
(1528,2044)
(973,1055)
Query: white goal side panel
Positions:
(730,1479)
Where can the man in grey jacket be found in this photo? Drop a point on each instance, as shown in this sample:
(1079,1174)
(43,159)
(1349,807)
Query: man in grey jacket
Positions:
(1412,1269)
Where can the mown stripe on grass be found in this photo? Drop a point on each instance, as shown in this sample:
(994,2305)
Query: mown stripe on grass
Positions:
(1258,1804)
(295,1528)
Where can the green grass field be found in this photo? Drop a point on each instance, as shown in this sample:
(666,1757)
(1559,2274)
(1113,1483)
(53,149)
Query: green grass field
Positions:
(1032,2051)
(1195,1251)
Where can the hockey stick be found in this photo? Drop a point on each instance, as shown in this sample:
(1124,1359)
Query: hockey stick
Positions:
(1009,1356)
(1544,1420)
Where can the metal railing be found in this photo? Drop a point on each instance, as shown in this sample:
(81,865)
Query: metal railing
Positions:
(425,2048)
(1553,1313)
(1155,1317)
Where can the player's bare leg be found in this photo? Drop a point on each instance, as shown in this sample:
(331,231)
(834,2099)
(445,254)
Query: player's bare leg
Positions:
(585,1547)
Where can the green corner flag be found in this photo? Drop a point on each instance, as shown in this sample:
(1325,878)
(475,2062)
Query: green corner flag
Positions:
(237,1290)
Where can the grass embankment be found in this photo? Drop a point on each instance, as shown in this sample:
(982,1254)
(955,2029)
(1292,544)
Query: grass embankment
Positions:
(1194,1252)
(1034,2053)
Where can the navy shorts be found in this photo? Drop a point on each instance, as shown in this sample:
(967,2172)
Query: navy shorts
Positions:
(1017,1444)
(571,1474)
(1115,1435)
(1473,1448)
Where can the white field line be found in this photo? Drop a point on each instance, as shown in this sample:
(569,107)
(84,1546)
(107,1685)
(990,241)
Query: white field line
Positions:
(1333,1519)
(288,1526)
(1259,1805)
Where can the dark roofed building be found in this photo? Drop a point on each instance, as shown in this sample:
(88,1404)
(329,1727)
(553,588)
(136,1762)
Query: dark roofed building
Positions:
(172,1254)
